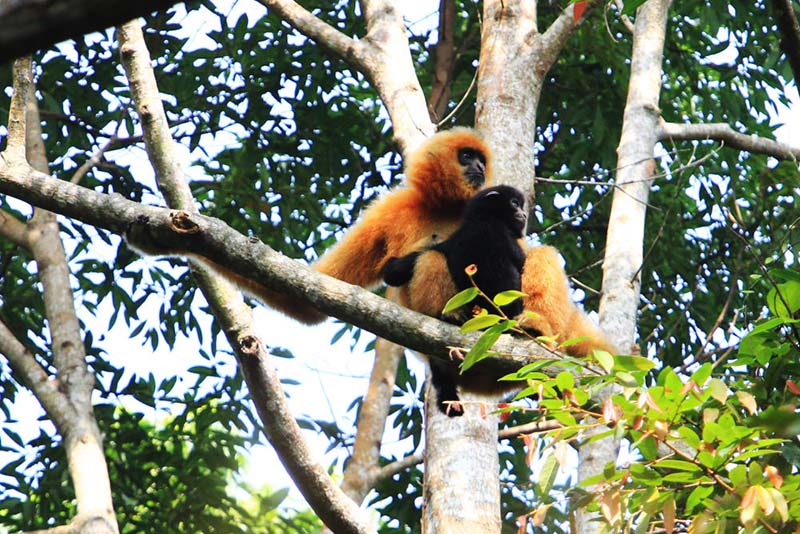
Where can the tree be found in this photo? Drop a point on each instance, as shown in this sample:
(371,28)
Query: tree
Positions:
(305,99)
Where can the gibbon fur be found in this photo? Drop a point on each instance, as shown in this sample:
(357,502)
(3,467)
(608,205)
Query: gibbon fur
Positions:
(488,238)
(441,176)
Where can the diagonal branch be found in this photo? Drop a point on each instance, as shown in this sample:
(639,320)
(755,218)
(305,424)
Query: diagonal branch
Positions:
(280,427)
(24,366)
(383,56)
(555,37)
(29,26)
(14,230)
(352,52)
(670,131)
(184,233)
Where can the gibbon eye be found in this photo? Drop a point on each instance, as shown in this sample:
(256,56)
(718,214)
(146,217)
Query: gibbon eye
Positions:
(468,155)
(515,203)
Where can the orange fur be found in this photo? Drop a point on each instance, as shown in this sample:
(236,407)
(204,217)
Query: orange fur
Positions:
(426,209)
(545,284)
(431,286)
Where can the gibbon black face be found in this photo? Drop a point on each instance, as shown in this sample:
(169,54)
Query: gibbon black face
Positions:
(473,162)
(502,204)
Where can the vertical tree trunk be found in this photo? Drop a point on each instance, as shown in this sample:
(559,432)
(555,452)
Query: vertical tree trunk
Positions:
(462,485)
(625,238)
(509,89)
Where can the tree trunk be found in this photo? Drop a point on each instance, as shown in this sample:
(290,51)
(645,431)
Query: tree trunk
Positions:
(462,485)
(625,238)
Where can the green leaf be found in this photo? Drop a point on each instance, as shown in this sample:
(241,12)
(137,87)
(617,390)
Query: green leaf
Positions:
(643,475)
(701,375)
(627,379)
(547,476)
(719,391)
(565,380)
(605,359)
(697,496)
(680,465)
(573,341)
(632,363)
(507,297)
(480,322)
(630,6)
(460,299)
(480,350)
(689,436)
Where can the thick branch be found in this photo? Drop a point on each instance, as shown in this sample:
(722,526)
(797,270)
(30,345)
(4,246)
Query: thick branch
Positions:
(24,366)
(354,53)
(670,131)
(383,56)
(213,238)
(82,439)
(788,26)
(29,26)
(235,317)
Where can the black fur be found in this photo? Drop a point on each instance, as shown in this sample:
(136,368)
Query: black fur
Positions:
(493,222)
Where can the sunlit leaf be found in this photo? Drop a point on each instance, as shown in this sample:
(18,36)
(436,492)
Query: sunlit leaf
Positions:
(460,299)
(480,322)
(507,297)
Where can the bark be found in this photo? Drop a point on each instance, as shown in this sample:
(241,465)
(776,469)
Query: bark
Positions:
(337,511)
(445,61)
(67,398)
(29,26)
(461,484)
(363,469)
(789,28)
(625,238)
(181,233)
(723,133)
(382,55)
(514,60)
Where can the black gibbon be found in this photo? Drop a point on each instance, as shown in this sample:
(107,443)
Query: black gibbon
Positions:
(488,238)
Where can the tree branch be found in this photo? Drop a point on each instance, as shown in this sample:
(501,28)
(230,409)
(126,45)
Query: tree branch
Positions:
(788,26)
(445,61)
(328,502)
(183,233)
(27,369)
(29,26)
(14,230)
(560,30)
(372,415)
(670,131)
(354,53)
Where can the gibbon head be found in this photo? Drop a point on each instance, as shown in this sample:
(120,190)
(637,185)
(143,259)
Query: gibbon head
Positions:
(502,204)
(450,167)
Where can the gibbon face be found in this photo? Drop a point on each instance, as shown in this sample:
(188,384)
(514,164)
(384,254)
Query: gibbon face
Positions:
(450,167)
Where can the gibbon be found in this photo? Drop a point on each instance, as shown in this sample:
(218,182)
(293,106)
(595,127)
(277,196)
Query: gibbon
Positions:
(488,238)
(441,175)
